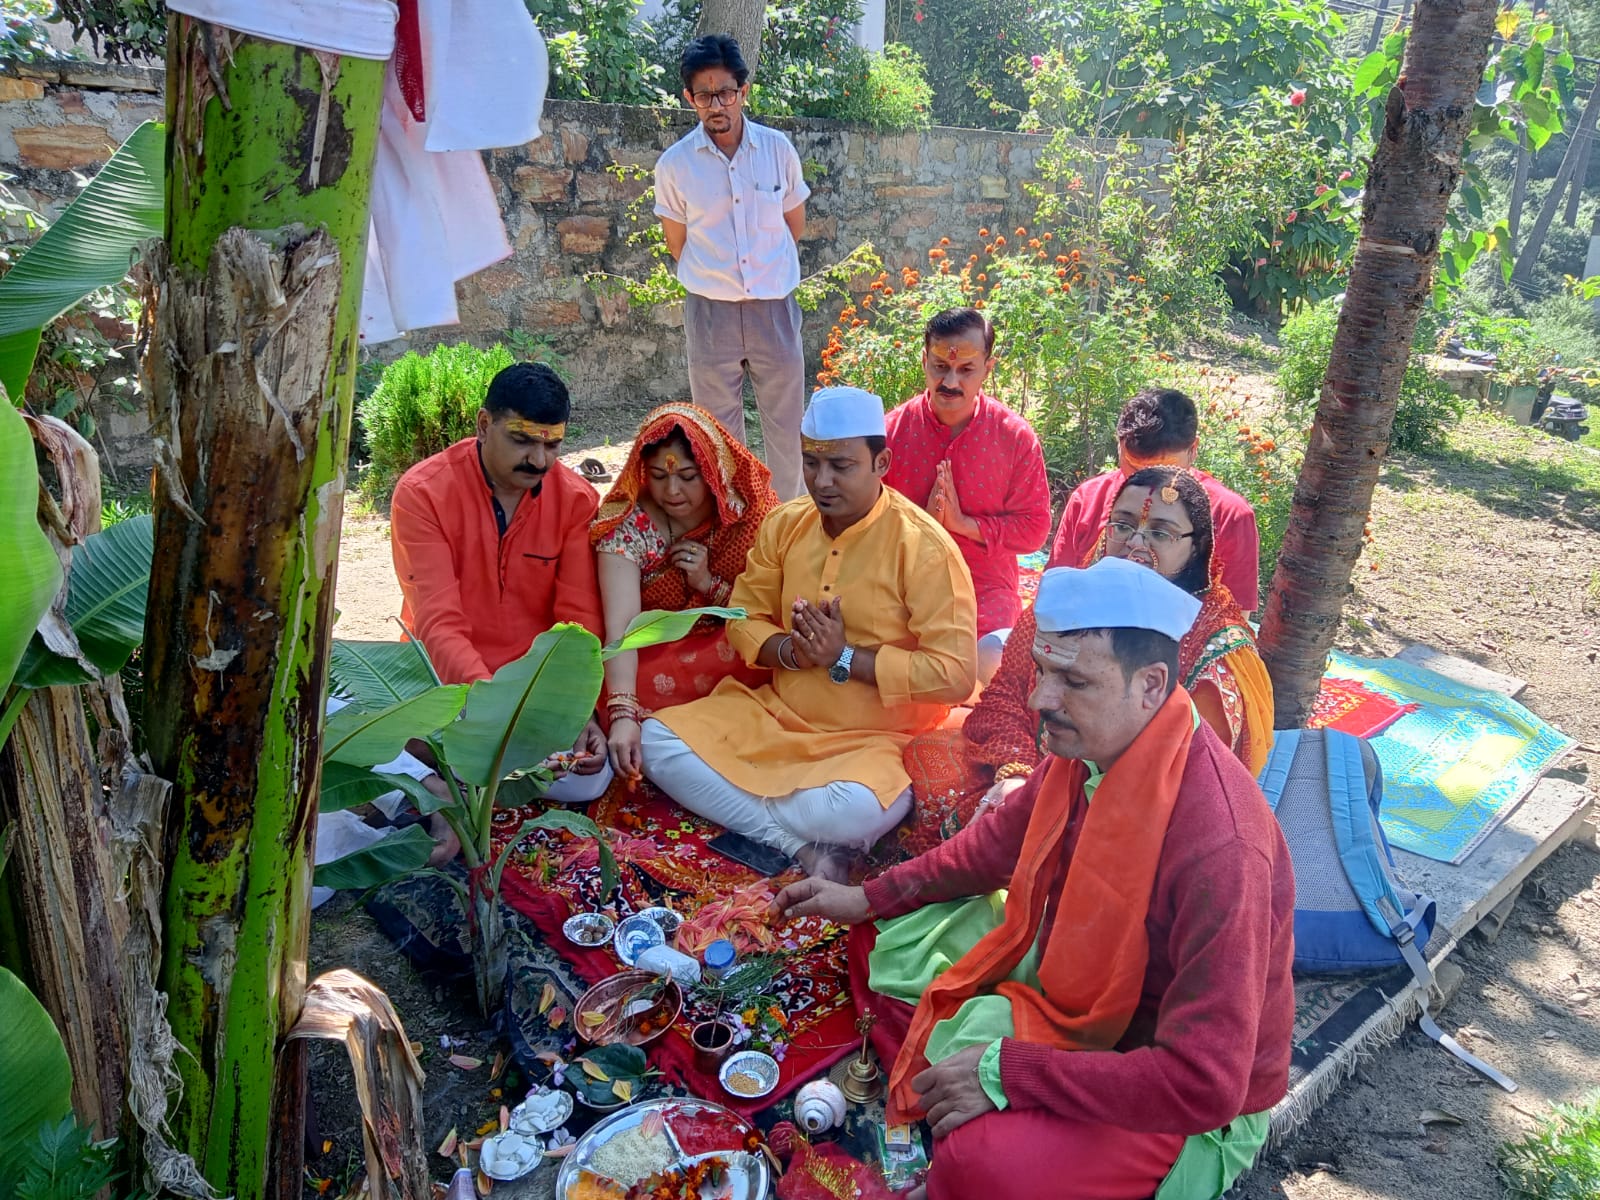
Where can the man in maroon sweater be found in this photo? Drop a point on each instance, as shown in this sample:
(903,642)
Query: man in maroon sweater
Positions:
(1088,1039)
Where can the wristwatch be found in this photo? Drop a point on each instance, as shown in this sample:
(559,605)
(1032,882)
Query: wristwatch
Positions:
(840,671)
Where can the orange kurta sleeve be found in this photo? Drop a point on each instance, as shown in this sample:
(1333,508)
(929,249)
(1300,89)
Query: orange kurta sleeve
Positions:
(425,563)
(1002,729)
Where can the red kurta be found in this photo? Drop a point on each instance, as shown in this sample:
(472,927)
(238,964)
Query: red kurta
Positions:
(1238,545)
(1210,1040)
(1000,480)
(474,597)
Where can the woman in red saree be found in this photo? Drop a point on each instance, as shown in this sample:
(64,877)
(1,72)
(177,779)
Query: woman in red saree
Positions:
(673,533)
(1161,518)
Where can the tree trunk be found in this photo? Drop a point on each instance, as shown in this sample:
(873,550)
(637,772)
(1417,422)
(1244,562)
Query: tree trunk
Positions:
(74,921)
(1415,169)
(253,304)
(742,20)
(1519,186)
(1522,273)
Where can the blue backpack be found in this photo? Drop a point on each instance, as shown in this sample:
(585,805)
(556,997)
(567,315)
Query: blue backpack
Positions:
(1350,911)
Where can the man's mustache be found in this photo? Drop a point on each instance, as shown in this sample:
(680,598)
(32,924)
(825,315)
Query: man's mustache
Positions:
(525,469)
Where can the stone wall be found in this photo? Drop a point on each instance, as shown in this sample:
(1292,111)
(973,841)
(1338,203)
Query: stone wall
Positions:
(570,205)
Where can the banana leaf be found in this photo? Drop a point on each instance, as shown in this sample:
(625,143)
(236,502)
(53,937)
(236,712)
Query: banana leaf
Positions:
(32,573)
(395,857)
(35,1076)
(345,786)
(90,246)
(657,625)
(363,738)
(534,706)
(378,674)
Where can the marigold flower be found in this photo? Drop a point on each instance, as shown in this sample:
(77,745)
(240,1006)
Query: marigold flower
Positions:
(1061,272)
(1034,243)
(977,304)
(1076,256)
(944,241)
(1046,235)
(936,254)
(983,233)
(1000,241)
(983,277)
(1062,258)
(1022,231)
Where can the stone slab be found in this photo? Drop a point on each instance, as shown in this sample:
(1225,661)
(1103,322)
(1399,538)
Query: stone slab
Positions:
(1462,670)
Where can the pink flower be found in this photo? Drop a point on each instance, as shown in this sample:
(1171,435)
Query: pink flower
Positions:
(1293,213)
(1343,175)
(1261,262)
(1297,97)
(1322,189)
(1037,60)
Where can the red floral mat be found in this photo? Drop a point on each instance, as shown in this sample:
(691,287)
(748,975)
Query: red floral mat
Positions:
(1349,706)
(662,859)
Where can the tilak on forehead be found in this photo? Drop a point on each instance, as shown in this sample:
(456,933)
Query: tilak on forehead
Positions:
(956,351)
(536,429)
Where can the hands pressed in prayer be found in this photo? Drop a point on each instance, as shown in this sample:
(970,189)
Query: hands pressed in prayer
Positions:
(951,1092)
(818,897)
(590,749)
(945,504)
(694,560)
(818,632)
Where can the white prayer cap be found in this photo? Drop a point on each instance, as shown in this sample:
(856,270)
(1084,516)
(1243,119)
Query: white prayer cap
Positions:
(836,413)
(1113,594)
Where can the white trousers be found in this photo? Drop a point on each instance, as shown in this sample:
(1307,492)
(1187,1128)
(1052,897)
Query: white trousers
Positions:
(844,813)
(991,647)
(573,788)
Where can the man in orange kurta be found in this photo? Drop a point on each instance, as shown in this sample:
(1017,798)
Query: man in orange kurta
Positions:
(862,606)
(491,544)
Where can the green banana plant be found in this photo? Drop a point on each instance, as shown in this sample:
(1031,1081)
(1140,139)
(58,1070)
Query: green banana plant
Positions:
(35,1076)
(90,246)
(482,736)
(32,575)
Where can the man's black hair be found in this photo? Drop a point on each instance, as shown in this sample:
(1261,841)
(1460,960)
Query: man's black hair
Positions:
(1136,648)
(711,51)
(876,445)
(530,390)
(1195,577)
(1158,421)
(953,322)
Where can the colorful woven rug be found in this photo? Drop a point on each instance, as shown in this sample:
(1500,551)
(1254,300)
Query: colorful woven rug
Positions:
(1350,706)
(662,856)
(1455,765)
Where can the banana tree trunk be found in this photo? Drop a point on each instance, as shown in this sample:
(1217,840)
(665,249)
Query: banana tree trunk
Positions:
(1415,169)
(489,959)
(253,308)
(73,916)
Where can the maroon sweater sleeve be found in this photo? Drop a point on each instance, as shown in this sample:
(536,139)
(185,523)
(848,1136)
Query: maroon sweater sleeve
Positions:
(976,861)
(1194,1076)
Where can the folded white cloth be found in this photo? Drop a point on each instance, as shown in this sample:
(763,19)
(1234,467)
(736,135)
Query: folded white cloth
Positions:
(359,28)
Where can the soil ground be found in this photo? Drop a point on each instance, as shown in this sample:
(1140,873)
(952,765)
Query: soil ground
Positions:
(1489,550)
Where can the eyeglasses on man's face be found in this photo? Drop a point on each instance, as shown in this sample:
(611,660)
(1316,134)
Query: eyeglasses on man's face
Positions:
(1120,531)
(724,98)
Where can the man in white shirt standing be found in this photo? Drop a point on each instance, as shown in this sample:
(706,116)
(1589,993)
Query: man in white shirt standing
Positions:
(731,200)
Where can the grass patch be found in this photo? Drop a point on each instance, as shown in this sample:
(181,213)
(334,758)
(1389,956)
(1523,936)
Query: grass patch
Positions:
(1560,1160)
(1537,458)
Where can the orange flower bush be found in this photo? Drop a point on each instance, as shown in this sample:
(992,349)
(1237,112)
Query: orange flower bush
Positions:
(1072,345)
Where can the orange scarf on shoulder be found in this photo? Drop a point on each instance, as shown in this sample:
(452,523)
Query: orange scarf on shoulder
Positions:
(1091,971)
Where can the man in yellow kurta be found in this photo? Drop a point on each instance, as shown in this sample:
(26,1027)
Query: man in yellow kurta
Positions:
(862,606)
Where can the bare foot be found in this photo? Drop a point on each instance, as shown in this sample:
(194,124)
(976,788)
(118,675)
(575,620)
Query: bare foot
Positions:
(446,844)
(820,860)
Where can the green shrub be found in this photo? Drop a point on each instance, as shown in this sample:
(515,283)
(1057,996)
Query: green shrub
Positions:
(1558,1161)
(424,403)
(1425,410)
(601,51)
(894,94)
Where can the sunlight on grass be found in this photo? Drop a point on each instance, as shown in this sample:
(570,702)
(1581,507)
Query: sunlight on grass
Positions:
(1538,459)
(1558,1161)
